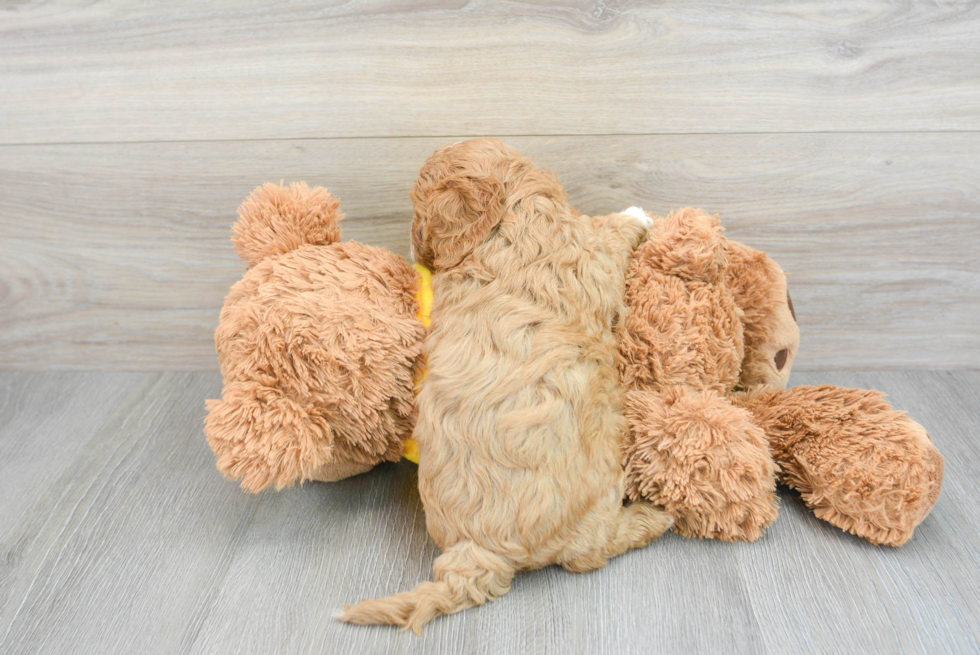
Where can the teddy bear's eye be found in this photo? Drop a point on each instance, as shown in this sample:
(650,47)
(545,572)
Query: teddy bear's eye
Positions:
(780,359)
(789,301)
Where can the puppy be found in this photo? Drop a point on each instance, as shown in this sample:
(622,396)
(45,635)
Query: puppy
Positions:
(521,420)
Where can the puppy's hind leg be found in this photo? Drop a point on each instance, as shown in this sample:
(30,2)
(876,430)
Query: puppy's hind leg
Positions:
(638,524)
(635,526)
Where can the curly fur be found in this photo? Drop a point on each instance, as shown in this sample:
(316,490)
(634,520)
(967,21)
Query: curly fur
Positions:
(521,420)
(319,348)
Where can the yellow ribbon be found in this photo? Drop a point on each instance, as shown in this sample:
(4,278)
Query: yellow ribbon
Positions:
(424,298)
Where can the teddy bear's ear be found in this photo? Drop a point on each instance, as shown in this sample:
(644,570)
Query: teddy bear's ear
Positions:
(453,217)
(274,220)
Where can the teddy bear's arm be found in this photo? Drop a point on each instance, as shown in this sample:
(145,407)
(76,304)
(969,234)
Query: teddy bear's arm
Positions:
(861,465)
(702,459)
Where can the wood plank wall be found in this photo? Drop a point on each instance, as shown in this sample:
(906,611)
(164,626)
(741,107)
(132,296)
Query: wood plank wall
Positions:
(842,139)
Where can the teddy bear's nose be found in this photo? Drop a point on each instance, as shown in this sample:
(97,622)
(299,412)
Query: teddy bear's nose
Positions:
(781,359)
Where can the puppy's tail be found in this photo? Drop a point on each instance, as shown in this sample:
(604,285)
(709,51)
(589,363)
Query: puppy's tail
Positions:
(466,576)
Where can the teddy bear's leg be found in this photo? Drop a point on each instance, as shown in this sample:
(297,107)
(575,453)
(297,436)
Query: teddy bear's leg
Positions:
(861,465)
(703,460)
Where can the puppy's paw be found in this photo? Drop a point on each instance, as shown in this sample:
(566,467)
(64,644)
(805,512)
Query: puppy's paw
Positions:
(638,213)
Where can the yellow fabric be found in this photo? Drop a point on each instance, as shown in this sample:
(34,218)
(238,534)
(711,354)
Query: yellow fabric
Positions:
(411,450)
(424,298)
(424,295)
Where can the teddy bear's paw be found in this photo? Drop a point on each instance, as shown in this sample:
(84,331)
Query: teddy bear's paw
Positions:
(701,459)
(880,492)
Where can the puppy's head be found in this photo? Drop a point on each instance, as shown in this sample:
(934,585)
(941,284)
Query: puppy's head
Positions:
(462,193)
(772,337)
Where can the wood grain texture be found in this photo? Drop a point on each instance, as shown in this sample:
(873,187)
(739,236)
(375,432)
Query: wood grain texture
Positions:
(116,256)
(124,550)
(141,546)
(33,410)
(822,591)
(126,71)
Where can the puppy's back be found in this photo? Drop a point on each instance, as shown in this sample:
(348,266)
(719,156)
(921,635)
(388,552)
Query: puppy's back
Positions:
(520,419)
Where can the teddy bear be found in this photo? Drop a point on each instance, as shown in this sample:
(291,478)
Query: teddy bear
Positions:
(706,351)
(320,346)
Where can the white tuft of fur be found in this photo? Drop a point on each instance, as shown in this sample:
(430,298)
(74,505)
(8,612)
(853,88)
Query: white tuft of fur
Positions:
(637,212)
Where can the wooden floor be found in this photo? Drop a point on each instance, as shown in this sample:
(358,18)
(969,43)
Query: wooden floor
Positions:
(120,536)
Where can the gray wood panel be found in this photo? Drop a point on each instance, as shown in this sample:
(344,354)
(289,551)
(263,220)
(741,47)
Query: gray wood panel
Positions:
(126,71)
(125,549)
(820,590)
(843,140)
(116,256)
(33,411)
(141,546)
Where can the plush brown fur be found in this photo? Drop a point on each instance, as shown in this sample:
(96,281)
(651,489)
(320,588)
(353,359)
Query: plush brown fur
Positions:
(710,318)
(274,220)
(319,347)
(681,348)
(521,420)
(758,287)
(860,464)
(683,326)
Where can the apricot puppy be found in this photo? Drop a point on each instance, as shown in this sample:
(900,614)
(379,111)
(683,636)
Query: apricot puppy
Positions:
(521,421)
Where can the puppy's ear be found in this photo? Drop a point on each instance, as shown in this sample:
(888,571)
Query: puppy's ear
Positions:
(456,215)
